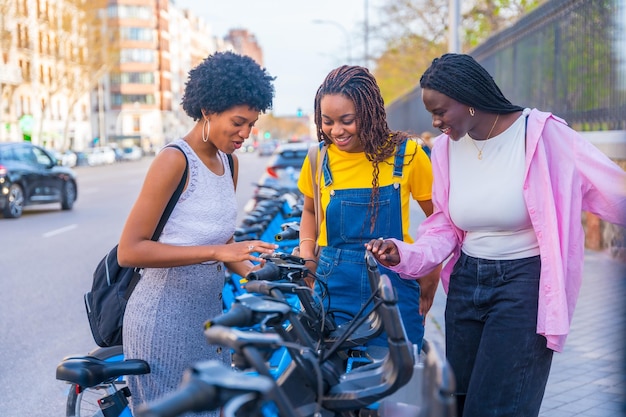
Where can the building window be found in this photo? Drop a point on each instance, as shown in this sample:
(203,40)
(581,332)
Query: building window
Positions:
(137,55)
(123,11)
(132,78)
(120,99)
(137,34)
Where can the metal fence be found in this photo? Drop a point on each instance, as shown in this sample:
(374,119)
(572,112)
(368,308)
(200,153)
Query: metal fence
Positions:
(567,57)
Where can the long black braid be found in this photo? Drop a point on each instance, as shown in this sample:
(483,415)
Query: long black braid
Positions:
(462,78)
(378,141)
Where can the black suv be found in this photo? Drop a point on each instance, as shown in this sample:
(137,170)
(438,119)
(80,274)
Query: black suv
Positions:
(30,175)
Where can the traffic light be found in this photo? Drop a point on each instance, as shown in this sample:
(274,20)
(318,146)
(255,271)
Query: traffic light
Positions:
(267,135)
(299,112)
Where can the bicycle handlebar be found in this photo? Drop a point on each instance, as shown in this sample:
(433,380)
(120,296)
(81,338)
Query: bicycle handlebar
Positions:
(290,231)
(248,310)
(237,339)
(280,266)
(268,287)
(207,386)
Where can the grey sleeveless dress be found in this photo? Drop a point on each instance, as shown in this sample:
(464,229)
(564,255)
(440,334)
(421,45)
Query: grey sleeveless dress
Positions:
(163,322)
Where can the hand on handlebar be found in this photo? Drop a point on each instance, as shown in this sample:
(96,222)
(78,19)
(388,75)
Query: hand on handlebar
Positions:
(247,250)
(385,251)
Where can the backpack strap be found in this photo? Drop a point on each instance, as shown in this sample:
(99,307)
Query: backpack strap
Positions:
(231,164)
(316,177)
(173,199)
(164,217)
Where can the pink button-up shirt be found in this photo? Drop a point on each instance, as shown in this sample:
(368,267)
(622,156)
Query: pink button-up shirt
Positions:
(565,174)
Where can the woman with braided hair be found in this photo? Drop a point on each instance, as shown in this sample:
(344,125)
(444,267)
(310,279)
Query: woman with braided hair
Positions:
(368,176)
(509,188)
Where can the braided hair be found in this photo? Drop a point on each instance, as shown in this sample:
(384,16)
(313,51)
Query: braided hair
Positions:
(462,78)
(379,142)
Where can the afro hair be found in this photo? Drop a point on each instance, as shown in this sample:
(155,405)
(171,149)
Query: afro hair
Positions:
(224,80)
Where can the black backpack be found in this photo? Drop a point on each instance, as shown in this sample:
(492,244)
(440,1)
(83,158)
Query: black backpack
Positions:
(112,284)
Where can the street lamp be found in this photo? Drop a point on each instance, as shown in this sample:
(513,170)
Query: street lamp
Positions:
(344,30)
(453,23)
(366,35)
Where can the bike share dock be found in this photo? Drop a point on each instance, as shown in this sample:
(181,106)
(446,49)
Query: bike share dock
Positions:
(588,379)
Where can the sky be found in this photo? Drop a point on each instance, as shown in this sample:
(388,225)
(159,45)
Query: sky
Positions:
(298,51)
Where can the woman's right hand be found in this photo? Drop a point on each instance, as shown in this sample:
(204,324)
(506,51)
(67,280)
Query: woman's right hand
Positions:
(385,251)
(247,250)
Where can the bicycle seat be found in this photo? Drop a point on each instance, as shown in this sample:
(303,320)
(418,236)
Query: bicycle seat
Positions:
(87,371)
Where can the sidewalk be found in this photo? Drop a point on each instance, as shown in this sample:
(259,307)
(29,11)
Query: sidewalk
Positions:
(588,378)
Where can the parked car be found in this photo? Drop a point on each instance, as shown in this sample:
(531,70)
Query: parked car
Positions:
(133,153)
(266,148)
(248,146)
(82,159)
(100,156)
(29,175)
(69,159)
(283,167)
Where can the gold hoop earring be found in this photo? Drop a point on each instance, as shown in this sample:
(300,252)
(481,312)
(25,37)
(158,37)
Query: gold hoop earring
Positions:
(472,112)
(205,139)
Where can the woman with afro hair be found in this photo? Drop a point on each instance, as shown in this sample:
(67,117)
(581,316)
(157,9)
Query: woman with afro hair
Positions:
(183,273)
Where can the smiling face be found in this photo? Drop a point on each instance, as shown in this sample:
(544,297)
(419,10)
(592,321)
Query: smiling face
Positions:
(449,116)
(339,122)
(229,129)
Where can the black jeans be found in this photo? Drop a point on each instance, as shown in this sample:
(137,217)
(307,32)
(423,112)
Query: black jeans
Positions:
(501,364)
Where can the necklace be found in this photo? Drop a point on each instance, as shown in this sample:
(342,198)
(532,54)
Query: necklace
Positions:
(480,150)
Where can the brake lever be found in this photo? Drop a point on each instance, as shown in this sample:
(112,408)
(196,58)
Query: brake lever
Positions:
(282,258)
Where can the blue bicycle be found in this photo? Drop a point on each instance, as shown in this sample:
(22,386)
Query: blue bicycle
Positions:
(97,380)
(317,381)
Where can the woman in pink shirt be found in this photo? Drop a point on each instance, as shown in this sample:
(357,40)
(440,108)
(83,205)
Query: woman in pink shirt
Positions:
(509,188)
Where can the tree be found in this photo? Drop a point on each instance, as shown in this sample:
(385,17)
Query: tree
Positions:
(99,52)
(285,127)
(415,32)
(487,17)
(79,50)
(10,74)
(397,69)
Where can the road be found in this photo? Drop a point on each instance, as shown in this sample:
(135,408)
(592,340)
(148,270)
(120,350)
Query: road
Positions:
(47,258)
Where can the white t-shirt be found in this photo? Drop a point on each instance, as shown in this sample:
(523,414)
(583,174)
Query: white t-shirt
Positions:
(486,197)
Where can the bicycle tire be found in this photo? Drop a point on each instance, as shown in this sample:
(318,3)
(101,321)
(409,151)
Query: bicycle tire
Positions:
(85,403)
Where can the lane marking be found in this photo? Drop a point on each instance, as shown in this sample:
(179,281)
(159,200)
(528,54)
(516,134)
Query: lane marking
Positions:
(61,230)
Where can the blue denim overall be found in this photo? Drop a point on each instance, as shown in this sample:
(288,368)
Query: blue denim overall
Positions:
(342,265)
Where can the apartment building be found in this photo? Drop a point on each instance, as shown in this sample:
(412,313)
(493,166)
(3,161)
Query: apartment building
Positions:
(42,93)
(138,100)
(107,72)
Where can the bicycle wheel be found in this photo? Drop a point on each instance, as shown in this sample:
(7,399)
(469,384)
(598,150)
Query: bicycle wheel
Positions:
(85,403)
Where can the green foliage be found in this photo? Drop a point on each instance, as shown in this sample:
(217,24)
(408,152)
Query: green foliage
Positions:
(400,67)
(416,32)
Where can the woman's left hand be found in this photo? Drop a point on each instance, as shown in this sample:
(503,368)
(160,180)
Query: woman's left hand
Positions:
(428,289)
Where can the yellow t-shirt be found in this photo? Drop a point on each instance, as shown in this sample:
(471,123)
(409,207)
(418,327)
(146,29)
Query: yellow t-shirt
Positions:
(353,170)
